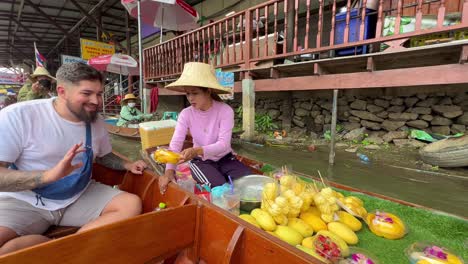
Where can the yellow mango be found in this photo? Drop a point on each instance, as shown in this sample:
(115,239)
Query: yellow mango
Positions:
(314,210)
(349,220)
(314,221)
(166,156)
(338,195)
(354,199)
(289,235)
(387,230)
(300,226)
(337,240)
(452,259)
(249,219)
(344,232)
(312,253)
(264,219)
(308,242)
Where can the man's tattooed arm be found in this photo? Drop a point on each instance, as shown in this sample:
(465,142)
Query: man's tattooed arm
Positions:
(112,161)
(15,180)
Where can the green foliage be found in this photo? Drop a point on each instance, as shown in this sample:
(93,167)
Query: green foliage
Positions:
(264,123)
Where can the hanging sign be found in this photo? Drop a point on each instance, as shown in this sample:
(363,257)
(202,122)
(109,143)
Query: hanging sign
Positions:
(226,79)
(92,48)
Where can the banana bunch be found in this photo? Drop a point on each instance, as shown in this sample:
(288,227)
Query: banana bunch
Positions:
(354,205)
(325,200)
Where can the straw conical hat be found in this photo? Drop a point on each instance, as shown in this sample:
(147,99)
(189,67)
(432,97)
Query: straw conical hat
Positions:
(41,71)
(197,74)
(129,97)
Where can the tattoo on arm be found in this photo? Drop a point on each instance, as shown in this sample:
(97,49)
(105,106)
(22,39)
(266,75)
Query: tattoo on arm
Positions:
(16,180)
(111,161)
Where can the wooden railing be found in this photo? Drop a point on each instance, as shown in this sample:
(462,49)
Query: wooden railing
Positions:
(285,28)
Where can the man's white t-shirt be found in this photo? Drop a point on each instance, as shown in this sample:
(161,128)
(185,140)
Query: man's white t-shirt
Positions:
(35,137)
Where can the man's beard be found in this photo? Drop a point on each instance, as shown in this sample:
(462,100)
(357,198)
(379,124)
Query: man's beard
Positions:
(82,115)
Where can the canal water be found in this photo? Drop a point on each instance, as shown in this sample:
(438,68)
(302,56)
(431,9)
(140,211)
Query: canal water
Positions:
(439,190)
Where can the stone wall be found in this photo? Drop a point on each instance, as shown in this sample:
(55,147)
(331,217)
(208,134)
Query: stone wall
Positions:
(442,111)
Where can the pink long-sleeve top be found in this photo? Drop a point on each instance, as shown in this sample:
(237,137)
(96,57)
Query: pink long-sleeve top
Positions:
(210,129)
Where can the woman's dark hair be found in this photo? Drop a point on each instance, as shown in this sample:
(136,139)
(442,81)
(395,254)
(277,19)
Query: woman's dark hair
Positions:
(214,96)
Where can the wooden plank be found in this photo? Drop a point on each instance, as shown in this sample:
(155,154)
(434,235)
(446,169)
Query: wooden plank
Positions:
(173,197)
(107,176)
(137,240)
(216,232)
(418,76)
(296,23)
(441,14)
(256,246)
(232,245)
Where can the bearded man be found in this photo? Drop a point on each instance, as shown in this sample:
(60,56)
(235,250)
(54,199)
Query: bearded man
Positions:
(52,144)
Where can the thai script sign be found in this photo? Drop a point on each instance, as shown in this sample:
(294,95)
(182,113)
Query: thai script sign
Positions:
(91,48)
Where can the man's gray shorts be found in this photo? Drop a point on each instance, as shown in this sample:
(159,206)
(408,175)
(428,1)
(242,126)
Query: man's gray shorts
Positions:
(26,219)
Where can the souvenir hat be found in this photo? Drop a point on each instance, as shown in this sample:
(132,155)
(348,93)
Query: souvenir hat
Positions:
(41,71)
(197,74)
(129,97)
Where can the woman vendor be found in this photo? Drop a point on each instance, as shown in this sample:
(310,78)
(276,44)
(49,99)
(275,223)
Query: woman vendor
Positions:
(210,122)
(129,114)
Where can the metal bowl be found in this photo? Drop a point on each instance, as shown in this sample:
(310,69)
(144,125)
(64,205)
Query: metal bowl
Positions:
(250,188)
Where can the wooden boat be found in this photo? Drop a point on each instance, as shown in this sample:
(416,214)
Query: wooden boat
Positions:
(450,152)
(127,132)
(205,232)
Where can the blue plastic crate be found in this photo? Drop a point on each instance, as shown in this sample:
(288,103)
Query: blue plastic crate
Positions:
(354,25)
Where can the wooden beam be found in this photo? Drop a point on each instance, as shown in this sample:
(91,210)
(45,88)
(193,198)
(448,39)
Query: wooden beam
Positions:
(418,76)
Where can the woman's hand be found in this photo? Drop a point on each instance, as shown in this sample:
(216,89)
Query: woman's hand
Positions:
(169,176)
(190,153)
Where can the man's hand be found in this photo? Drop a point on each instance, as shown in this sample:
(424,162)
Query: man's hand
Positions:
(169,176)
(136,167)
(64,167)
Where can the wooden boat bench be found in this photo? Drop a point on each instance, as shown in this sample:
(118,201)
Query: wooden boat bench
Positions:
(144,186)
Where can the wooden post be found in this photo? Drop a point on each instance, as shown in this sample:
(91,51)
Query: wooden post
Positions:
(289,35)
(331,157)
(286,111)
(248,108)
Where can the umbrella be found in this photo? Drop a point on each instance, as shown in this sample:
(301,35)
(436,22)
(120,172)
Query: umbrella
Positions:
(170,14)
(116,63)
(165,14)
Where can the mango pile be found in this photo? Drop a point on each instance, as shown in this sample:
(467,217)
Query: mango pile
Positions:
(307,217)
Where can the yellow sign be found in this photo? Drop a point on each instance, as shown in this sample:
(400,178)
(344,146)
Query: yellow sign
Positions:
(92,48)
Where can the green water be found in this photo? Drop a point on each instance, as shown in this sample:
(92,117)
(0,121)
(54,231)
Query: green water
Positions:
(447,193)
